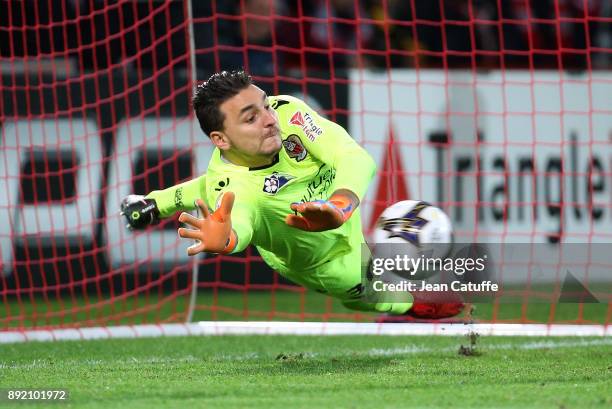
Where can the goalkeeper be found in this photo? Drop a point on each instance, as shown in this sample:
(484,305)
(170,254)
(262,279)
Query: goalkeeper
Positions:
(284,179)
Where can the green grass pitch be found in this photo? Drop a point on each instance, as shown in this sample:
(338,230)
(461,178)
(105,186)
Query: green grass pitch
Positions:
(314,372)
(279,305)
(309,372)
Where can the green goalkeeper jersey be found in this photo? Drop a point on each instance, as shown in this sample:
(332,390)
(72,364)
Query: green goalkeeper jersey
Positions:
(317,158)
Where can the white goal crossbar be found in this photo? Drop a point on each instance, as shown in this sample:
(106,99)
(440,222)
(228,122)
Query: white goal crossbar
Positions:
(209,328)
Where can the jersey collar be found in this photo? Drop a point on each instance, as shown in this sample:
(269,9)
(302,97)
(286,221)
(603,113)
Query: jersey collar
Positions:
(274,162)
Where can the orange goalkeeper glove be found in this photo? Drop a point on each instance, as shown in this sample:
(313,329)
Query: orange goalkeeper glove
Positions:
(213,232)
(322,215)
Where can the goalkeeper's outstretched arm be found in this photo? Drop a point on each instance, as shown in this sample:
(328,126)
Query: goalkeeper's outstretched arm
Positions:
(213,232)
(354,167)
(143,211)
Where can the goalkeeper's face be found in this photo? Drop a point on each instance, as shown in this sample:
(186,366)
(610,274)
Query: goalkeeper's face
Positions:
(250,135)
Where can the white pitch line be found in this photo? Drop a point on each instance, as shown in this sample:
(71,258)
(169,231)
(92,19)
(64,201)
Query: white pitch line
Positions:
(300,328)
(415,350)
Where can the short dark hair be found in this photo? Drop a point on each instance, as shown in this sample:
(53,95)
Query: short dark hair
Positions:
(211,94)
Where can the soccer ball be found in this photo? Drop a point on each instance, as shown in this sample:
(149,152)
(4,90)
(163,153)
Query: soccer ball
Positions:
(413,230)
(414,222)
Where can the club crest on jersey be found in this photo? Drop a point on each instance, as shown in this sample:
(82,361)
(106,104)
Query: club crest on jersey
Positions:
(307,123)
(294,147)
(274,182)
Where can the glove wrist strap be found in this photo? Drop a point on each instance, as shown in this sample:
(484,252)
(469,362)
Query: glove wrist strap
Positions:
(232,242)
(344,204)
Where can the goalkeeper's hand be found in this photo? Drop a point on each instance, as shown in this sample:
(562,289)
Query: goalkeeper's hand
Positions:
(322,215)
(139,212)
(213,232)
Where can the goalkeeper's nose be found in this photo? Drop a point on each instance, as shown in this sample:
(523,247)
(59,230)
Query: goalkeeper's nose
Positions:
(270,119)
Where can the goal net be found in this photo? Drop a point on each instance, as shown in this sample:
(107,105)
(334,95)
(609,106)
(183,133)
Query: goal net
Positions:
(496,112)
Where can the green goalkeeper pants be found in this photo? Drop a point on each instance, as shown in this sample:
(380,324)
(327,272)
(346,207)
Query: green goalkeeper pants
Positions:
(341,278)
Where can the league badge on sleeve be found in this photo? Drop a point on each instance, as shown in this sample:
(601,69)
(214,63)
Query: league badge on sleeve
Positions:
(294,147)
(274,182)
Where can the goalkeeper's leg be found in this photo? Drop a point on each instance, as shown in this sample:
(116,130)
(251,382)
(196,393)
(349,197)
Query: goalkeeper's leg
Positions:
(344,278)
(341,278)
